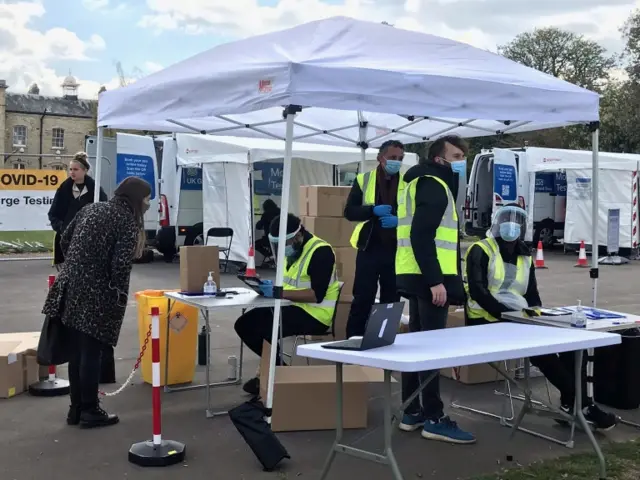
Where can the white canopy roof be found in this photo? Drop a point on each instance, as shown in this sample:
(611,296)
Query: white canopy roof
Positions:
(553,159)
(200,149)
(384,73)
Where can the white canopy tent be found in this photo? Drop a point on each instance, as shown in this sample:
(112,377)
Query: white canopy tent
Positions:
(400,84)
(228,163)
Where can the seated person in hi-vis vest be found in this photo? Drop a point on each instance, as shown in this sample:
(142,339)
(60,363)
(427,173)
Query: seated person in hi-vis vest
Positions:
(310,283)
(501,278)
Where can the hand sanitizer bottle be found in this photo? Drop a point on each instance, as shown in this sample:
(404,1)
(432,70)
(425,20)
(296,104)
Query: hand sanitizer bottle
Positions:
(210,287)
(579,319)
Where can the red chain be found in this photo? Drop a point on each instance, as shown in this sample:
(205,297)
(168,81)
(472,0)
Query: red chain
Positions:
(144,347)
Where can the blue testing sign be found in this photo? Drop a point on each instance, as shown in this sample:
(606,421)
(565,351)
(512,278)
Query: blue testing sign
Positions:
(141,166)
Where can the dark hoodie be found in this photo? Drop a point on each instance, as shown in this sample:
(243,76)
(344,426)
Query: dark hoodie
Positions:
(431,203)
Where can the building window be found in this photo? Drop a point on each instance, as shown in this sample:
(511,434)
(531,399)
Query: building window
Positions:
(58,166)
(57,138)
(19,136)
(19,166)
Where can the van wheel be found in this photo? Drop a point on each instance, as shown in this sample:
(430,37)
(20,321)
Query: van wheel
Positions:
(195,235)
(544,233)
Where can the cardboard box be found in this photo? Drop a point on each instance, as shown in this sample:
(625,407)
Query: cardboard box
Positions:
(195,264)
(297,389)
(303,201)
(11,378)
(323,201)
(335,231)
(30,370)
(468,374)
(346,270)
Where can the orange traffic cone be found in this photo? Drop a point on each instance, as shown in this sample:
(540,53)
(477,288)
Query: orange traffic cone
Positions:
(251,264)
(582,257)
(540,256)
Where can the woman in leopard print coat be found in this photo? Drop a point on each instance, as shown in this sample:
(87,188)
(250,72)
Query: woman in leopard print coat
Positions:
(90,293)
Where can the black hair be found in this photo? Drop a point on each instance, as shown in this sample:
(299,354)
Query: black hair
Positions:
(269,205)
(390,144)
(293,223)
(436,149)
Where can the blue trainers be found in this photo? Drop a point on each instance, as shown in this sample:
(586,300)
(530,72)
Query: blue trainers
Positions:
(446,430)
(411,422)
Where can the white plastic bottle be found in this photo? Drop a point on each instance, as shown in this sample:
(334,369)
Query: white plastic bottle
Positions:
(579,319)
(210,287)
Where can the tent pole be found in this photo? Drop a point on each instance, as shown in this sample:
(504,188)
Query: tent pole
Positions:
(282,233)
(98,174)
(594,214)
(252,229)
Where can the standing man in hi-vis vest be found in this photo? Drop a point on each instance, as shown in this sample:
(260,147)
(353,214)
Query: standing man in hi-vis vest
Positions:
(310,283)
(372,203)
(500,278)
(428,273)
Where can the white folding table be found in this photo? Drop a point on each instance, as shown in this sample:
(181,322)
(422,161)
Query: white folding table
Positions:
(243,298)
(447,348)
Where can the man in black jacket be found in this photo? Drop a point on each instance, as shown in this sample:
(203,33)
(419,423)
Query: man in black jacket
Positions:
(373,203)
(439,282)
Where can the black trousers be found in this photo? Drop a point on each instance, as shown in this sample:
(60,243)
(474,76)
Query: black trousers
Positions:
(84,369)
(254,327)
(372,266)
(264,247)
(423,316)
(559,369)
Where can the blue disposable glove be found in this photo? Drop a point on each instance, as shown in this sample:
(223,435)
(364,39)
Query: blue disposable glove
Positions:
(266,287)
(390,221)
(382,210)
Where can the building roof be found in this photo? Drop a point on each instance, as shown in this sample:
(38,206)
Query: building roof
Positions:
(36,104)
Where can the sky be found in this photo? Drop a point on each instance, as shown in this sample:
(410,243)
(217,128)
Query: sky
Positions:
(42,41)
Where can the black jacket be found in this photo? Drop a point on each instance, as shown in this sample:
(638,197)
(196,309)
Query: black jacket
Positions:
(65,207)
(431,203)
(356,211)
(478,278)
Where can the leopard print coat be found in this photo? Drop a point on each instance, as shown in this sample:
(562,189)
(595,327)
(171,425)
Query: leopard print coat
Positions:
(90,293)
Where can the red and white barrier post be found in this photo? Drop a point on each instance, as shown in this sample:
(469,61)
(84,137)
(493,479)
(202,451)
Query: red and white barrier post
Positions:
(156,452)
(52,386)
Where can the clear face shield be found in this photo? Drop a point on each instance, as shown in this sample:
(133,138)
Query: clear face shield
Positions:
(291,247)
(509,224)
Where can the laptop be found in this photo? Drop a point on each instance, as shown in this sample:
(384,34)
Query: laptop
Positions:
(381,330)
(252,282)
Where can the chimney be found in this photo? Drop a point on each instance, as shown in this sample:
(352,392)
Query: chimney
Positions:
(3,116)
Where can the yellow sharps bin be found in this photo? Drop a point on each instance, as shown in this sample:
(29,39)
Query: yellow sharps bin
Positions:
(183,337)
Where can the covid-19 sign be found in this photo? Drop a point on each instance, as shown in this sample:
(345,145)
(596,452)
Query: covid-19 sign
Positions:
(25,198)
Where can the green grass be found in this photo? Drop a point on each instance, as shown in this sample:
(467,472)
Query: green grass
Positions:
(623,463)
(26,242)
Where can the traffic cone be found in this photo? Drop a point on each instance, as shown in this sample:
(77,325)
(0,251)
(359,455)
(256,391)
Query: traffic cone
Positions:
(540,256)
(251,264)
(582,257)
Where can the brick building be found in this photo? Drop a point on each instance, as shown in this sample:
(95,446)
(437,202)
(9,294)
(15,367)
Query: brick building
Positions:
(32,125)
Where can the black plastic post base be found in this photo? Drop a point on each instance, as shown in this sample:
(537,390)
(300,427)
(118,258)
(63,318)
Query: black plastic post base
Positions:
(146,454)
(50,388)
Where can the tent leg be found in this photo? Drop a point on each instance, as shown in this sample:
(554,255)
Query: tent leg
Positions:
(594,214)
(282,233)
(98,174)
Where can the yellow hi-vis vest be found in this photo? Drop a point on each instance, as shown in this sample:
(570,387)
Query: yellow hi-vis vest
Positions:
(446,233)
(367,182)
(297,278)
(496,274)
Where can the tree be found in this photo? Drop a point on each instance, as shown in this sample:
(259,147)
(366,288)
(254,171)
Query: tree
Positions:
(102,89)
(34,89)
(631,34)
(563,54)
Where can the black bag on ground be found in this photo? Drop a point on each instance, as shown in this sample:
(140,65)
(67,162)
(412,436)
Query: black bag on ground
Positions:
(248,418)
(107,365)
(53,344)
(616,373)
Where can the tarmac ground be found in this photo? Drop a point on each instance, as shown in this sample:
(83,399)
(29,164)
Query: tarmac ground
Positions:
(35,442)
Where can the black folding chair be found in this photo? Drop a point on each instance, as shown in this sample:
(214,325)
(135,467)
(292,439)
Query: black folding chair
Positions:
(221,232)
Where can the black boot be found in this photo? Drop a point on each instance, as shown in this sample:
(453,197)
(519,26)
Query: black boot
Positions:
(73,417)
(94,417)
(252,387)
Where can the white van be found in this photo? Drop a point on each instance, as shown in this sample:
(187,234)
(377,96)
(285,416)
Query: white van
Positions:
(124,156)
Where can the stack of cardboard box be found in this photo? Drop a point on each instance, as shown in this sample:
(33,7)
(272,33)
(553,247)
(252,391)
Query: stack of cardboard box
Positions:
(322,212)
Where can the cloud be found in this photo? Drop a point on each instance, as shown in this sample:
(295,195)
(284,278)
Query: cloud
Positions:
(26,53)
(95,4)
(482,23)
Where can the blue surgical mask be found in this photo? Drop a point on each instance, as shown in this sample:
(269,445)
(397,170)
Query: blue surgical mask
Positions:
(459,166)
(510,231)
(289,251)
(392,166)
